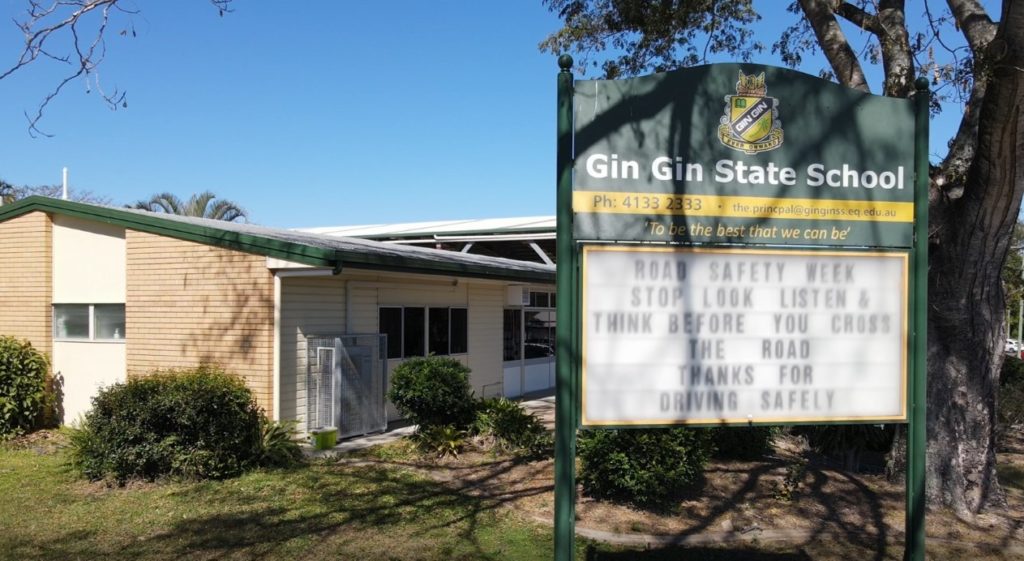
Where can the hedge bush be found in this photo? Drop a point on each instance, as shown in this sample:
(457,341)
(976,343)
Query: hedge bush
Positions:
(433,391)
(1012,372)
(23,395)
(200,423)
(742,443)
(1010,402)
(510,426)
(644,467)
(848,443)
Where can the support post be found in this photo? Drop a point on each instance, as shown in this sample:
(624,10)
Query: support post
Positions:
(917,433)
(565,415)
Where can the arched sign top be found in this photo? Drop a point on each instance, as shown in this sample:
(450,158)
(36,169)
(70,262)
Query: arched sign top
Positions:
(744,144)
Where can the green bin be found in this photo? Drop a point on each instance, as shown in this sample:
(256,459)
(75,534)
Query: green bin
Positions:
(325,438)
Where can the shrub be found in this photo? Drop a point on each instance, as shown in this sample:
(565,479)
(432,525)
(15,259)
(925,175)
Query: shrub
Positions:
(196,424)
(645,467)
(848,443)
(511,427)
(1010,402)
(22,386)
(279,446)
(433,391)
(1012,372)
(441,440)
(742,443)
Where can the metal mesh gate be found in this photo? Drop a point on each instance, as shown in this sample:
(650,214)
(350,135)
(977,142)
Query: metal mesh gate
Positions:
(346,379)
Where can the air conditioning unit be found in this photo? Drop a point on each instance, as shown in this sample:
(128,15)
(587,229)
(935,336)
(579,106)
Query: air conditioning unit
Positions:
(517,296)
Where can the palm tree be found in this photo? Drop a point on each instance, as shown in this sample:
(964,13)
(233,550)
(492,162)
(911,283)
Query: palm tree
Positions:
(201,205)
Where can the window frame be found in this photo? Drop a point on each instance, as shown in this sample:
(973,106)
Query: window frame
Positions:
(426,334)
(91,338)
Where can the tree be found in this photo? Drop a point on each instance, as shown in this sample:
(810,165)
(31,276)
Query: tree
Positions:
(202,205)
(7,193)
(975,191)
(10,193)
(72,33)
(1013,280)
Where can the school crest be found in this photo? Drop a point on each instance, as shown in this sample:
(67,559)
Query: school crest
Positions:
(751,121)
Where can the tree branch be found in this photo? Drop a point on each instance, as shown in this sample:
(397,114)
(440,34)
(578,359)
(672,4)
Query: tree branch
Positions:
(858,17)
(80,26)
(834,44)
(974,22)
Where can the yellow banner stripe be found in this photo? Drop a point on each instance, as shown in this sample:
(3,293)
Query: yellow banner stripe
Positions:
(614,202)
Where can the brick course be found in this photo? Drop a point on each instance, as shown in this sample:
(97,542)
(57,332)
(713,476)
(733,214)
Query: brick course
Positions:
(191,303)
(26,279)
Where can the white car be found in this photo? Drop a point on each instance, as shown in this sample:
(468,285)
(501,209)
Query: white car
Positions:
(1012,347)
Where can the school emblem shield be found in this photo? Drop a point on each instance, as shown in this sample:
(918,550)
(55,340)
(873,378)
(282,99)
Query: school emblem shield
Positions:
(751,121)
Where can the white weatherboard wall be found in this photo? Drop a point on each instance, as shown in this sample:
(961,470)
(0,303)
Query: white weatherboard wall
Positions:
(88,268)
(350,302)
(309,306)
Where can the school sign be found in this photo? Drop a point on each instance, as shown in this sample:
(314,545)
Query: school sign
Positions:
(740,245)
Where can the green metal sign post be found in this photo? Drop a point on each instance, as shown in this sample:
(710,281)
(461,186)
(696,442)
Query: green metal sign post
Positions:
(917,433)
(736,187)
(565,285)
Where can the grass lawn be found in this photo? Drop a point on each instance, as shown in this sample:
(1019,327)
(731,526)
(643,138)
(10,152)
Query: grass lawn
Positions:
(384,505)
(314,512)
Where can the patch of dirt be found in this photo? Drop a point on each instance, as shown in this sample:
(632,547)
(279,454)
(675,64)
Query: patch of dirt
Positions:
(45,441)
(742,500)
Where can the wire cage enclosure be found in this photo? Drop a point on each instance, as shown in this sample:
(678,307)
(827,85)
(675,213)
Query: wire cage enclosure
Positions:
(346,381)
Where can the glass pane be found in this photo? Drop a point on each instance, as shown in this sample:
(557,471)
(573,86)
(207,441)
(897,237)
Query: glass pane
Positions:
(390,324)
(109,321)
(71,321)
(512,342)
(438,334)
(540,334)
(414,331)
(460,331)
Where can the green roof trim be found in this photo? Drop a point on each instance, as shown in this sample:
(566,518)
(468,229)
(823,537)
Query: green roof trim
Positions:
(308,249)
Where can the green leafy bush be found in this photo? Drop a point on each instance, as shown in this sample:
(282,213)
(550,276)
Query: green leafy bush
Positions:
(195,424)
(1012,372)
(1010,402)
(279,445)
(433,391)
(22,386)
(511,427)
(644,467)
(441,440)
(848,443)
(742,443)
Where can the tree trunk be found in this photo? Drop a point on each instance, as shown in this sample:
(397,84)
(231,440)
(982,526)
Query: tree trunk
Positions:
(970,237)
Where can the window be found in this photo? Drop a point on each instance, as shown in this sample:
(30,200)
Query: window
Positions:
(412,331)
(512,334)
(390,324)
(415,331)
(439,324)
(542,300)
(89,322)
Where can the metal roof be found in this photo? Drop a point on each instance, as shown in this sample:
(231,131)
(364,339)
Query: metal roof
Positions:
(444,228)
(311,248)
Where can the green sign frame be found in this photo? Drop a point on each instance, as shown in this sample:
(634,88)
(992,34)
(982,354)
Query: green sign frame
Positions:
(657,159)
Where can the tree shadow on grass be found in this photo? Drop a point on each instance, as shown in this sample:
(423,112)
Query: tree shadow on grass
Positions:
(599,553)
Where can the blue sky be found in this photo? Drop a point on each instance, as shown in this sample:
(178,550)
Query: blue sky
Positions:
(310,114)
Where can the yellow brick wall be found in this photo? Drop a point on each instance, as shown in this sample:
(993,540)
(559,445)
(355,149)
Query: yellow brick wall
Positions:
(26,279)
(190,303)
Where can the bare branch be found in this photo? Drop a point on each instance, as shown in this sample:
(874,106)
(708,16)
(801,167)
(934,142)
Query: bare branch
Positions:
(82,25)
